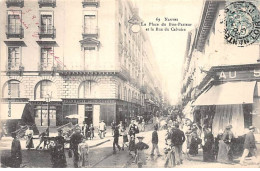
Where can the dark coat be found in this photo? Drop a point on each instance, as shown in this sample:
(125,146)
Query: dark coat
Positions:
(16,154)
(177,137)
(250,141)
(155,137)
(75,139)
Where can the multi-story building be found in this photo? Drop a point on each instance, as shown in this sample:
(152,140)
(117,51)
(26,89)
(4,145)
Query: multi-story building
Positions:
(220,79)
(74,57)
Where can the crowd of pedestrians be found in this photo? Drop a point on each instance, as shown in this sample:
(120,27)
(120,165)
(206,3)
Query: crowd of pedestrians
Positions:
(183,140)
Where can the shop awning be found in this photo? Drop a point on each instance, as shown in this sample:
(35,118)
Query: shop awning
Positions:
(227,93)
(16,110)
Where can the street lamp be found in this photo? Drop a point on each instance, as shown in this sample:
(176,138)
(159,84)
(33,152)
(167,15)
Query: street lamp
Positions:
(135,21)
(48,99)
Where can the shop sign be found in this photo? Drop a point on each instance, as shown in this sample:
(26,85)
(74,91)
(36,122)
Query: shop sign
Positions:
(238,75)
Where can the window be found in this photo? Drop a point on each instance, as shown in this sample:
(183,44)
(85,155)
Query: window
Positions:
(47,58)
(14,23)
(11,89)
(14,58)
(90,57)
(90,24)
(45,89)
(41,115)
(88,89)
(46,23)
(14,27)
(47,29)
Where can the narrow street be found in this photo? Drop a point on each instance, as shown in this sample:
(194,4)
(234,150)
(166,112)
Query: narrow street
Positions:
(101,155)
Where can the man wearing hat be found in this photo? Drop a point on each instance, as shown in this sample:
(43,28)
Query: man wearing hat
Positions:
(140,155)
(75,139)
(249,145)
(177,139)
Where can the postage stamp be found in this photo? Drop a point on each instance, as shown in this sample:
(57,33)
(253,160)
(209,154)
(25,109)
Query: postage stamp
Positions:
(242,22)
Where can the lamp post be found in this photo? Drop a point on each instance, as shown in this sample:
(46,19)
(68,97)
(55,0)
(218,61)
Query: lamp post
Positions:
(135,21)
(48,99)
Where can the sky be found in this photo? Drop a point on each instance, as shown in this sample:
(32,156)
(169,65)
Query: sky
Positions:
(169,46)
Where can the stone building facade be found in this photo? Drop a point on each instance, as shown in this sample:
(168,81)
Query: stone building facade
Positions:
(75,57)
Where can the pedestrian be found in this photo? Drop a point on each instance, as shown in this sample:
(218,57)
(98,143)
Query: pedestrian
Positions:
(29,141)
(85,130)
(208,147)
(133,128)
(83,150)
(155,142)
(91,129)
(194,144)
(43,138)
(131,147)
(225,153)
(121,127)
(57,152)
(125,139)
(249,146)
(102,129)
(113,126)
(177,139)
(140,158)
(169,152)
(217,142)
(75,139)
(116,138)
(16,153)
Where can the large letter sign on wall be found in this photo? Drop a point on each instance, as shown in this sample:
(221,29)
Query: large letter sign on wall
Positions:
(234,74)
(222,75)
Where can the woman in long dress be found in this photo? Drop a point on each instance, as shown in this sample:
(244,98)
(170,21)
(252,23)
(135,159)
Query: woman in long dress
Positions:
(224,146)
(208,147)
(194,145)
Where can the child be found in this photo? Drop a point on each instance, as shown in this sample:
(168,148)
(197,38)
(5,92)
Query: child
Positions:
(125,138)
(140,155)
(131,144)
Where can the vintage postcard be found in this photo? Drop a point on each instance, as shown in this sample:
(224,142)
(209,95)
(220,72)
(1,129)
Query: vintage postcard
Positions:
(130,83)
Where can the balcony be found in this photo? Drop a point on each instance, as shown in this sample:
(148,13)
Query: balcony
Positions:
(14,3)
(14,31)
(47,32)
(47,3)
(90,32)
(90,3)
(124,74)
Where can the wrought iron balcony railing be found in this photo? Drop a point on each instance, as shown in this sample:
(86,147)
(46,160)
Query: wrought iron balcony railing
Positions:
(90,3)
(15,3)
(14,31)
(47,3)
(47,32)
(90,32)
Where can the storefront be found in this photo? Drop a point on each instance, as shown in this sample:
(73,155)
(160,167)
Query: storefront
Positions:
(12,111)
(232,100)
